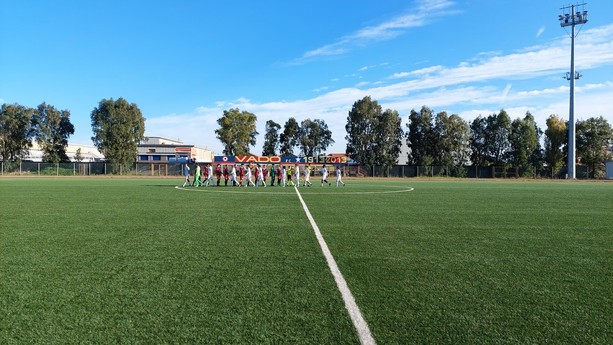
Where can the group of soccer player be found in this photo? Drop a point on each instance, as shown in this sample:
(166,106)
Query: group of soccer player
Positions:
(242,175)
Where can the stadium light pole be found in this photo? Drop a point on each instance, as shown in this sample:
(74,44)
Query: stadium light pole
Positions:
(571,19)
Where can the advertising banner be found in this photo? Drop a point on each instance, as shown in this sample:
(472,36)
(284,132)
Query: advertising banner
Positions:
(323,159)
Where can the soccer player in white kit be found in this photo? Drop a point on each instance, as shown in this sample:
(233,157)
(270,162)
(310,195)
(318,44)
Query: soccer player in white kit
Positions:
(209,178)
(233,181)
(283,176)
(186,174)
(297,174)
(248,176)
(324,175)
(260,177)
(339,175)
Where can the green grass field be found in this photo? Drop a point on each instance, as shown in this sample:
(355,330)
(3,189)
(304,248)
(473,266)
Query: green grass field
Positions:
(114,260)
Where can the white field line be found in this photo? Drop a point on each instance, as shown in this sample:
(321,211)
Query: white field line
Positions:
(276,192)
(355,314)
(230,190)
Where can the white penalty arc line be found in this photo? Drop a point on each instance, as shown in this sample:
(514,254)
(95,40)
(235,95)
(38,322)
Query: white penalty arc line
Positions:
(233,190)
(409,189)
(355,314)
(242,191)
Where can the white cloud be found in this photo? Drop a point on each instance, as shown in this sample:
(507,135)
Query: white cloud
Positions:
(440,98)
(505,92)
(416,17)
(365,68)
(399,75)
(338,48)
(197,127)
(468,102)
(467,89)
(536,62)
(420,72)
(544,92)
(540,31)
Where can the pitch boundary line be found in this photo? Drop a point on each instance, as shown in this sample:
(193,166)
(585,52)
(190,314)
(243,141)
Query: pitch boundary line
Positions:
(355,314)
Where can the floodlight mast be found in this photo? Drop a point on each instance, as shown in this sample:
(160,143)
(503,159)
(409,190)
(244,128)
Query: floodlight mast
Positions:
(571,19)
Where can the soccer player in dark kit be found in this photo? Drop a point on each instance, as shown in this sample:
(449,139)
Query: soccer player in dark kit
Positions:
(218,174)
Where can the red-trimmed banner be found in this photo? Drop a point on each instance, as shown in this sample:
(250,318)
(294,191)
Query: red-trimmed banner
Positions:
(327,159)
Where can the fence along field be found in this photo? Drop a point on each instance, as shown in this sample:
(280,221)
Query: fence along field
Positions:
(170,169)
(463,261)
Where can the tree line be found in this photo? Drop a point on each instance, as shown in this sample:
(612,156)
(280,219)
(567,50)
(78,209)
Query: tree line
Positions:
(374,136)
(237,132)
(20,125)
(118,128)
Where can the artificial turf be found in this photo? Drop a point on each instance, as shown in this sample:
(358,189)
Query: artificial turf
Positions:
(114,260)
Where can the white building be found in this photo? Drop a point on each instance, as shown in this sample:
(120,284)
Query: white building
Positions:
(89,153)
(163,150)
(150,150)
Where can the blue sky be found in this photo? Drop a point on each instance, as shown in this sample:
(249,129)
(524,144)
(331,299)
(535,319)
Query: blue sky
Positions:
(184,62)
